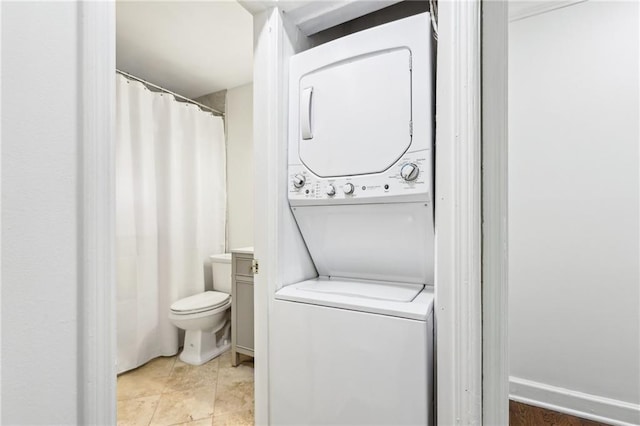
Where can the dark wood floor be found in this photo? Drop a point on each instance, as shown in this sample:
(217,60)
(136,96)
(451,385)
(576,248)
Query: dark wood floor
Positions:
(527,415)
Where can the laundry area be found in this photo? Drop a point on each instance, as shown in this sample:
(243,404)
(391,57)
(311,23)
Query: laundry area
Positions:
(355,341)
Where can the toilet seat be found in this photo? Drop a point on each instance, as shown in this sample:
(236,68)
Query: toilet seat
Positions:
(198,303)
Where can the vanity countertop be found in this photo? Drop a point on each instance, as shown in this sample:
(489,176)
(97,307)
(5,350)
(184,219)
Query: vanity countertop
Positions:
(243,250)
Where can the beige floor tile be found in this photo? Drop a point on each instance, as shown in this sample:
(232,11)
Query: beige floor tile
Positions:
(242,373)
(137,412)
(233,396)
(211,365)
(235,386)
(190,394)
(225,360)
(202,422)
(185,376)
(132,386)
(184,406)
(236,418)
(158,367)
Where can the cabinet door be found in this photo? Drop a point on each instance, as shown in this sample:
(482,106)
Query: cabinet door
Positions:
(244,314)
(243,266)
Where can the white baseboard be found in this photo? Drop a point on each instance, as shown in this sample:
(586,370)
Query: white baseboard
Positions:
(592,407)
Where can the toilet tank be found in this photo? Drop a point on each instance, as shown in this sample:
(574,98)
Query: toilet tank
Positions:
(221,269)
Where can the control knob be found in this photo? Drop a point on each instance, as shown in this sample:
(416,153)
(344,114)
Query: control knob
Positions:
(409,172)
(298,181)
(348,188)
(331,190)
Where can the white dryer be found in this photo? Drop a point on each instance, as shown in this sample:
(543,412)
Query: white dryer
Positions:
(354,345)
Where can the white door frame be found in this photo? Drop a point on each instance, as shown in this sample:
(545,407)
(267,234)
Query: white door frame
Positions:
(268,128)
(471,283)
(458,289)
(97,294)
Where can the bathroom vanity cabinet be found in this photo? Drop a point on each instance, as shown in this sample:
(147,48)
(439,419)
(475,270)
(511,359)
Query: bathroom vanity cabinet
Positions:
(241,304)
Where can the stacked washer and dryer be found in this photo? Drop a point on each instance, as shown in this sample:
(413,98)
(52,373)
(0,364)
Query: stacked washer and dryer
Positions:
(355,344)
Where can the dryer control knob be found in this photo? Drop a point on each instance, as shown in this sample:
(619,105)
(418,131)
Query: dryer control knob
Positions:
(298,181)
(348,188)
(331,190)
(409,172)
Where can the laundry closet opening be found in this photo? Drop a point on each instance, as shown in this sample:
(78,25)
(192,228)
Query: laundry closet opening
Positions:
(350,308)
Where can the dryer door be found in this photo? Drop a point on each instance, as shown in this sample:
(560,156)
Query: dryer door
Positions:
(355,115)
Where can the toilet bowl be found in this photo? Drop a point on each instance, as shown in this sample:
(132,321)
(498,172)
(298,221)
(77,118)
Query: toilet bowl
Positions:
(206,317)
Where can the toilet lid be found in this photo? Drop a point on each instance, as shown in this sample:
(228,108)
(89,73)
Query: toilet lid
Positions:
(200,302)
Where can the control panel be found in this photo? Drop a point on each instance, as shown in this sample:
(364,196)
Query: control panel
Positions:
(410,176)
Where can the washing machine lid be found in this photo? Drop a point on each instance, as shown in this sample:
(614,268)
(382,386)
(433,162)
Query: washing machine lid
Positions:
(390,242)
(393,299)
(377,290)
(355,114)
(200,302)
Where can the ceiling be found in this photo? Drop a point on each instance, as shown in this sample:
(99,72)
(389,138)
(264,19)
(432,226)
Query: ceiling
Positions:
(192,48)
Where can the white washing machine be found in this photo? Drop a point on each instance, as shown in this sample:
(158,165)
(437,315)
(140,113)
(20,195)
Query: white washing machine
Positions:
(354,346)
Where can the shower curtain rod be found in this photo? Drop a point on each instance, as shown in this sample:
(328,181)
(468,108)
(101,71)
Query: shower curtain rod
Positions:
(146,83)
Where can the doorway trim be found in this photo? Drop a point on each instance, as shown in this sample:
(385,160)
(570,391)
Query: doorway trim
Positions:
(458,289)
(97,290)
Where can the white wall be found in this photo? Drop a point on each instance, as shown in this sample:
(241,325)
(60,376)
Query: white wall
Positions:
(239,121)
(574,217)
(40,213)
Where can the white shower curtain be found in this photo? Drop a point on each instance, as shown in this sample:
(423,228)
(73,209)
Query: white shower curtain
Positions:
(171,209)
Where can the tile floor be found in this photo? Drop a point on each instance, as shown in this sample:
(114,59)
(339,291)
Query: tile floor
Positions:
(166,391)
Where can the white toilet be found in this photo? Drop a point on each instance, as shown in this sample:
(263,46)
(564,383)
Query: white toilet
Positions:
(206,317)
